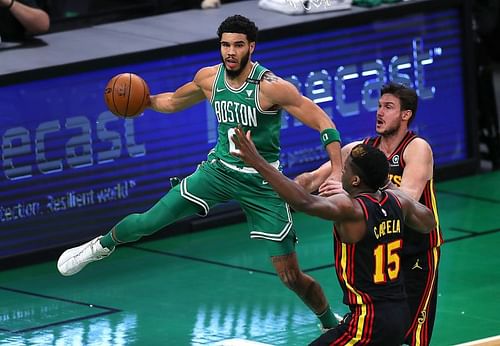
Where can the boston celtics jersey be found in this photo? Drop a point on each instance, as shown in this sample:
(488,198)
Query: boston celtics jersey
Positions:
(241,106)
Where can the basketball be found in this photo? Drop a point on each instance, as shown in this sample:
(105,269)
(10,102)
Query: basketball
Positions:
(126,95)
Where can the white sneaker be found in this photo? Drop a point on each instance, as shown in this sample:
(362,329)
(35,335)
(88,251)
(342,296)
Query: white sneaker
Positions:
(75,259)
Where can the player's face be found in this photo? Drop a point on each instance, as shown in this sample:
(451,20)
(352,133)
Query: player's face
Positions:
(389,115)
(235,50)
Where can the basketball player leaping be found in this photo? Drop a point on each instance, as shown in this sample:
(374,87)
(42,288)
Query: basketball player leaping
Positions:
(241,92)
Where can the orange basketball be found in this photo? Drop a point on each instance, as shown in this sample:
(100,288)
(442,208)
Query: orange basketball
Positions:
(126,95)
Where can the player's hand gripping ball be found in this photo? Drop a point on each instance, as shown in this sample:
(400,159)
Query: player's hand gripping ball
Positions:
(126,95)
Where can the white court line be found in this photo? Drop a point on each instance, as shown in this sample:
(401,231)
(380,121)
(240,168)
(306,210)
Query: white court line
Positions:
(491,341)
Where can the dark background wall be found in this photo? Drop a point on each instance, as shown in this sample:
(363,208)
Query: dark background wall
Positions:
(70,14)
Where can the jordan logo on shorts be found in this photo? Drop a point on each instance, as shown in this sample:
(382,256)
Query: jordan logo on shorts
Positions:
(416,265)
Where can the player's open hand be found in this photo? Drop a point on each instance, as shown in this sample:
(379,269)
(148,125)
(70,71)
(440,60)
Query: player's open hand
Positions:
(331,187)
(246,149)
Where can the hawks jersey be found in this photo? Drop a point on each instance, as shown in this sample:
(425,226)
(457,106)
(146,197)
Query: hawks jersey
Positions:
(415,242)
(369,270)
(241,106)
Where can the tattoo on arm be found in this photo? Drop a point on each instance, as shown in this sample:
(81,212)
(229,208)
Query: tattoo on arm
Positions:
(270,77)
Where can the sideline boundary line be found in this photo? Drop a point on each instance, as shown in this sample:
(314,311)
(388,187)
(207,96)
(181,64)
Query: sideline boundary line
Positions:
(491,341)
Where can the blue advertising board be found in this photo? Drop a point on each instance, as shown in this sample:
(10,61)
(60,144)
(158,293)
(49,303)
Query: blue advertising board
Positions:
(71,169)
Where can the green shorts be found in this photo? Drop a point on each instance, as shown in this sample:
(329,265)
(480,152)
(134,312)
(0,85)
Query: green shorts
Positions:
(268,216)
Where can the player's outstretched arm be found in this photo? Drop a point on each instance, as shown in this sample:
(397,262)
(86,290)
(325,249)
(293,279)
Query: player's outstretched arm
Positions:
(320,179)
(337,208)
(184,97)
(282,93)
(329,186)
(311,181)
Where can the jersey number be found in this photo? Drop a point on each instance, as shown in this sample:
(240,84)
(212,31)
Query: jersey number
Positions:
(387,262)
(232,146)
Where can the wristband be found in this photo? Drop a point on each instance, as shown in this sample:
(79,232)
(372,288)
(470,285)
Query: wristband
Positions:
(329,135)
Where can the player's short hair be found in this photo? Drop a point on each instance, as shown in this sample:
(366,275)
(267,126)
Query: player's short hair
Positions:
(239,24)
(407,97)
(371,165)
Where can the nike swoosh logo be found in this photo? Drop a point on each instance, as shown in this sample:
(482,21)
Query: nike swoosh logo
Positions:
(264,182)
(219,90)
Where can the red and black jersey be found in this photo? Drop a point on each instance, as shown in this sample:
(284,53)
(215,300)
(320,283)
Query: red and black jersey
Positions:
(370,270)
(415,242)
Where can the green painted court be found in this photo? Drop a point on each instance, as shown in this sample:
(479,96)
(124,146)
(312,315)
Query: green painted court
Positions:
(217,287)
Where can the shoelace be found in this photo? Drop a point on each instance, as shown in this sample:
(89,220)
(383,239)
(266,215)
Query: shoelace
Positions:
(93,250)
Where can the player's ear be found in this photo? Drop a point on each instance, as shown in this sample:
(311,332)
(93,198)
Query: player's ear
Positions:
(252,47)
(355,180)
(407,114)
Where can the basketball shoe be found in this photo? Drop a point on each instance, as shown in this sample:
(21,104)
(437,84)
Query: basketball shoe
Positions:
(75,259)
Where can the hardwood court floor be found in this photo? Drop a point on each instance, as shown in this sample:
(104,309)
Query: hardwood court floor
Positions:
(217,286)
